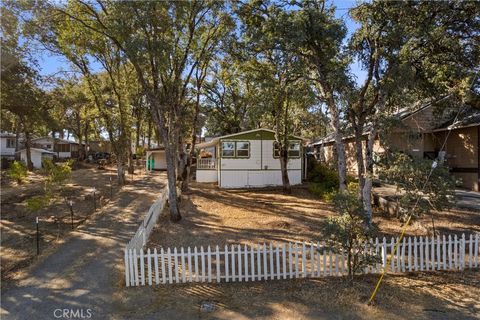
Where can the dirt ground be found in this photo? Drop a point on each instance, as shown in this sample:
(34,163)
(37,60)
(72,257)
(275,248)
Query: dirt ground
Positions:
(216,216)
(219,216)
(440,295)
(18,229)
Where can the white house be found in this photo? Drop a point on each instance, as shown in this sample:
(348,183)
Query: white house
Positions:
(37,156)
(60,147)
(7,145)
(249,159)
(156,159)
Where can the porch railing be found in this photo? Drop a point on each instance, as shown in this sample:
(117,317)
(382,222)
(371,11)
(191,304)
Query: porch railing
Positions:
(205,164)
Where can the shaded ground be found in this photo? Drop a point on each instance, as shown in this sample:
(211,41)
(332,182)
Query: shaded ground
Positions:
(86,270)
(219,216)
(18,224)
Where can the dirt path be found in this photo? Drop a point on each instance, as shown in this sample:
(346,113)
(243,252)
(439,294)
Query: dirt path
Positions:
(86,271)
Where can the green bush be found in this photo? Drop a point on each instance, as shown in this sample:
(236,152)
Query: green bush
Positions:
(324,181)
(348,234)
(17,171)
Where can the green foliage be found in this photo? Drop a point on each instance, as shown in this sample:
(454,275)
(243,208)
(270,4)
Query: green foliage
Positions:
(38,202)
(324,181)
(347,233)
(56,176)
(17,171)
(409,175)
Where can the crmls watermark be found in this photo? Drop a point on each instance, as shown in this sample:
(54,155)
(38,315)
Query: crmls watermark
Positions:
(78,313)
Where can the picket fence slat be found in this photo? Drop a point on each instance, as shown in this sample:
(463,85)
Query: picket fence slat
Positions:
(286,260)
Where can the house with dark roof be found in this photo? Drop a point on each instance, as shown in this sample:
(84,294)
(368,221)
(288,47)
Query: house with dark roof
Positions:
(421,133)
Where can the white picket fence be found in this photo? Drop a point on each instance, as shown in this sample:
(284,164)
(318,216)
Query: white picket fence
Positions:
(139,240)
(293,260)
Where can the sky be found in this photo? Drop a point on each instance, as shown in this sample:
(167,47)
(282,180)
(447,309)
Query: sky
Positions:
(53,64)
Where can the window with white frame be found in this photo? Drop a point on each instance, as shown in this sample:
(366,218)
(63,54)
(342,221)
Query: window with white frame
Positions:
(228,149)
(243,149)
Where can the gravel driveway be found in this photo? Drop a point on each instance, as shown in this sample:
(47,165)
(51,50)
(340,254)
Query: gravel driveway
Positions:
(82,278)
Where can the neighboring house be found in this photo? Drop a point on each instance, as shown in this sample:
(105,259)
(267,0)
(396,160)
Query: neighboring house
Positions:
(156,159)
(37,156)
(421,133)
(62,148)
(99,146)
(7,144)
(248,159)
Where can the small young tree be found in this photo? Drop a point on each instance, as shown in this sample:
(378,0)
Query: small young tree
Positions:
(422,189)
(56,176)
(348,233)
(17,171)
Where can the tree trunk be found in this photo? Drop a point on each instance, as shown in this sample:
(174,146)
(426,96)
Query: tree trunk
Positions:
(120,171)
(170,155)
(359,158)
(28,144)
(86,139)
(340,148)
(283,168)
(149,133)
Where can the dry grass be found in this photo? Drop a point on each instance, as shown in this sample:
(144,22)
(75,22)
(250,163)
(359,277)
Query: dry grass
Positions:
(214,216)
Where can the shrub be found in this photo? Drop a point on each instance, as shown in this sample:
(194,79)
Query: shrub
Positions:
(324,181)
(410,175)
(17,171)
(347,233)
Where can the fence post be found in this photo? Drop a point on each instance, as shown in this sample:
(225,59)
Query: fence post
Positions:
(149,265)
(304,260)
(245,258)
(169,266)
(175,264)
(202,256)
(392,254)
(312,261)
(272,270)
(189,261)
(284,261)
(470,251)
(217,258)
(127,268)
(226,263)
(209,259)
(182,259)
(162,261)
(290,260)
(239,263)
(135,265)
(252,263)
(444,247)
(277,253)
(233,263)
(296,260)
(155,261)
(439,254)
(195,252)
(259,262)
(462,256)
(319,272)
(476,249)
(455,251)
(384,254)
(427,255)
(415,254)
(410,254)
